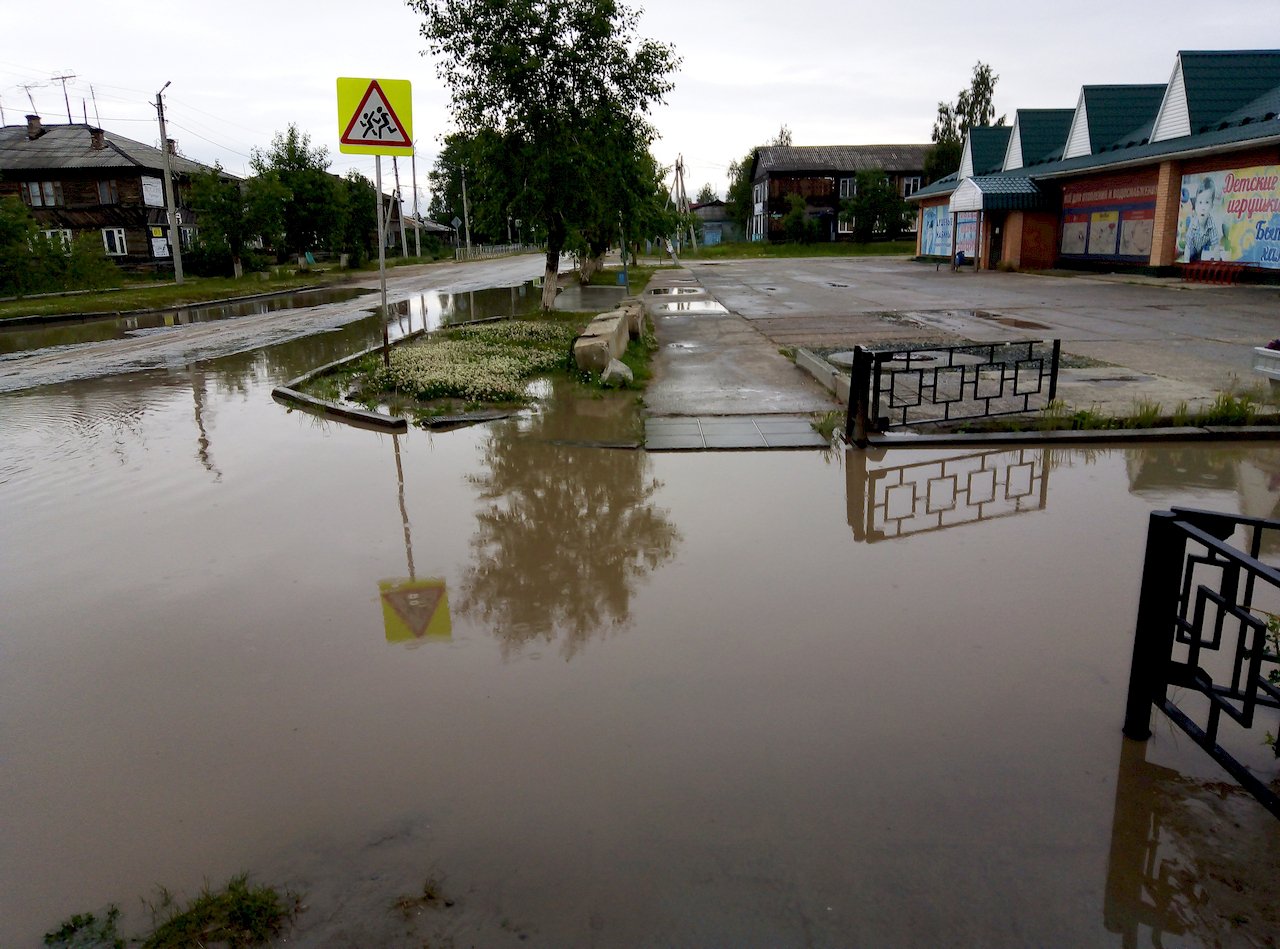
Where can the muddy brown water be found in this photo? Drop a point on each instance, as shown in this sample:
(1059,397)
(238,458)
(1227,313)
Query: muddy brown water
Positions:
(687,699)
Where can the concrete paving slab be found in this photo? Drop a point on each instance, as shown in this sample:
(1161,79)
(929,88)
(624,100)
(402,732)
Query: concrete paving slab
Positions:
(721,432)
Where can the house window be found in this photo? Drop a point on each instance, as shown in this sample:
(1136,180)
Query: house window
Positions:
(188,237)
(848,187)
(113,241)
(910,186)
(107,193)
(42,194)
(844,227)
(59,234)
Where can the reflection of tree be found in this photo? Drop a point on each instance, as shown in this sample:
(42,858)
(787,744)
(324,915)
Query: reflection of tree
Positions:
(567,531)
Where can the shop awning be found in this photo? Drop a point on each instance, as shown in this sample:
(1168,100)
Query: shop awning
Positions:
(999,193)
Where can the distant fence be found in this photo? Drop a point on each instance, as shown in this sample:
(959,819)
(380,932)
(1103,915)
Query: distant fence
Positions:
(918,384)
(1205,650)
(483,251)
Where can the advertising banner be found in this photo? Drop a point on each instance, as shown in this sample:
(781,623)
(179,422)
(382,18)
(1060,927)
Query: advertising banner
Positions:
(1113,217)
(935,231)
(967,233)
(1231,216)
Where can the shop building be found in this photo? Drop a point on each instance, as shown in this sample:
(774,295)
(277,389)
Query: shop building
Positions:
(1156,178)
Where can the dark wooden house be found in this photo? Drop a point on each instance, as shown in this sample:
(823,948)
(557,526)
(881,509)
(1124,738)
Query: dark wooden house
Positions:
(77,178)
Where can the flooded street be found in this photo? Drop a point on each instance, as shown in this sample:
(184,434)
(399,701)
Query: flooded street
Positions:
(721,698)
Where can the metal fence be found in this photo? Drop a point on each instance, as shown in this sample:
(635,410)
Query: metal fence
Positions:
(898,501)
(483,251)
(1205,649)
(921,384)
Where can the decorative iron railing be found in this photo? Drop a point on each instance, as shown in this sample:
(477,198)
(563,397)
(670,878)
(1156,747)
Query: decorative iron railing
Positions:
(885,503)
(1205,650)
(920,384)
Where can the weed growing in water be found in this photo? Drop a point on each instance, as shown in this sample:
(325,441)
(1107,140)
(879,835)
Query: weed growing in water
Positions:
(86,930)
(827,423)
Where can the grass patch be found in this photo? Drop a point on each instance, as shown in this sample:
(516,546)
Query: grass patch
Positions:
(238,915)
(637,275)
(829,423)
(756,249)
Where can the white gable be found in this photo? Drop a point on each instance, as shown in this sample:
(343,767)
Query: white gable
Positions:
(1174,118)
(967,197)
(1078,141)
(966,159)
(1013,152)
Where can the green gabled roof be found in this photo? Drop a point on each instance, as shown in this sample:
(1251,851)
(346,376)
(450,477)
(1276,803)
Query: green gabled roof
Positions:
(1043,133)
(987,145)
(936,189)
(1120,115)
(1218,83)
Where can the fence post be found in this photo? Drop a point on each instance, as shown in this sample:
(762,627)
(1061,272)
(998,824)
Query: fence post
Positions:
(1156,626)
(859,397)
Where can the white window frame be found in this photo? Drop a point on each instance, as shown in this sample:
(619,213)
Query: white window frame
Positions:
(188,237)
(62,234)
(114,236)
(910,185)
(843,226)
(848,187)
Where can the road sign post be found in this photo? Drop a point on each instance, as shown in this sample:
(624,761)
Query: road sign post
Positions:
(375,117)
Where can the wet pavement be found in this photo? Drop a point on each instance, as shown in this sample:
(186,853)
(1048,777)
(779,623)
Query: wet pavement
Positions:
(600,697)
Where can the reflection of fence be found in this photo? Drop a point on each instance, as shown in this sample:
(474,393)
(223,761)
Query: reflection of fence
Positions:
(886,503)
(1203,627)
(915,385)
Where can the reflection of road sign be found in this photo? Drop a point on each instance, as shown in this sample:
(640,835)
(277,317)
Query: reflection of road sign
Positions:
(375,116)
(414,610)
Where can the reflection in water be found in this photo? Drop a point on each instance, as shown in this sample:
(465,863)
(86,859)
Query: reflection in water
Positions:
(1188,858)
(413,610)
(433,310)
(894,501)
(564,533)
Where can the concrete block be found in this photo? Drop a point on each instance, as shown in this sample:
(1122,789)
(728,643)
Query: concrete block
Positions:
(591,353)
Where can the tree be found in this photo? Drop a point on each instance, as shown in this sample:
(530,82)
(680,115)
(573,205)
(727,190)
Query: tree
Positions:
(357,225)
(310,213)
(973,107)
(706,194)
(738,197)
(232,213)
(566,86)
(31,262)
(875,208)
(797,224)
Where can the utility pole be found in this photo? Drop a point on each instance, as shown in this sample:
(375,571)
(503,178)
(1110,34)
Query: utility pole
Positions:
(682,202)
(63,80)
(175,237)
(417,221)
(466,212)
(395,168)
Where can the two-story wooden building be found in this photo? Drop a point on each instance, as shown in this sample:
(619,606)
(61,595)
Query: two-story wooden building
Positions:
(824,175)
(77,178)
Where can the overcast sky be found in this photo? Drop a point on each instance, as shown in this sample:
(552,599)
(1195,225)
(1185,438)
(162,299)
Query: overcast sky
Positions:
(836,73)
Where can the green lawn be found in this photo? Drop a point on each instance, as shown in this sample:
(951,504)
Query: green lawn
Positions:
(754,249)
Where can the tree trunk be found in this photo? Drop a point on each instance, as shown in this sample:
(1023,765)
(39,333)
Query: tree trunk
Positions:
(237,268)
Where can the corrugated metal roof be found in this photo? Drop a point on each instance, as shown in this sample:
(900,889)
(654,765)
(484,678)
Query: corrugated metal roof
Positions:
(988,144)
(70,146)
(833,159)
(1121,115)
(1220,82)
(1043,133)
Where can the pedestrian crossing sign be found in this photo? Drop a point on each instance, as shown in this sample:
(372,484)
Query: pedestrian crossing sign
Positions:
(375,116)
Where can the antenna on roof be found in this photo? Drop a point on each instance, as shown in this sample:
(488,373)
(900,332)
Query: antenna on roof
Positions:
(94,96)
(65,98)
(27,87)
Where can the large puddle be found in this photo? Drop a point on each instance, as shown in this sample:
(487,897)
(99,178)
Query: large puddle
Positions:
(602,697)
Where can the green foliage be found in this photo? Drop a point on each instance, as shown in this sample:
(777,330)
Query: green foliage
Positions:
(875,209)
(973,107)
(486,362)
(565,89)
(238,915)
(738,197)
(310,216)
(706,194)
(355,228)
(797,225)
(1230,408)
(1143,414)
(30,262)
(232,213)
(828,423)
(86,931)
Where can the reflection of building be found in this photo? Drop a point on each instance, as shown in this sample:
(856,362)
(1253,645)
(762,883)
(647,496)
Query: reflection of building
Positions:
(1148,176)
(78,179)
(894,501)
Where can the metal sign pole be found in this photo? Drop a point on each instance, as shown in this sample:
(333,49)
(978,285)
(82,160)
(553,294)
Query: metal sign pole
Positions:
(382,262)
